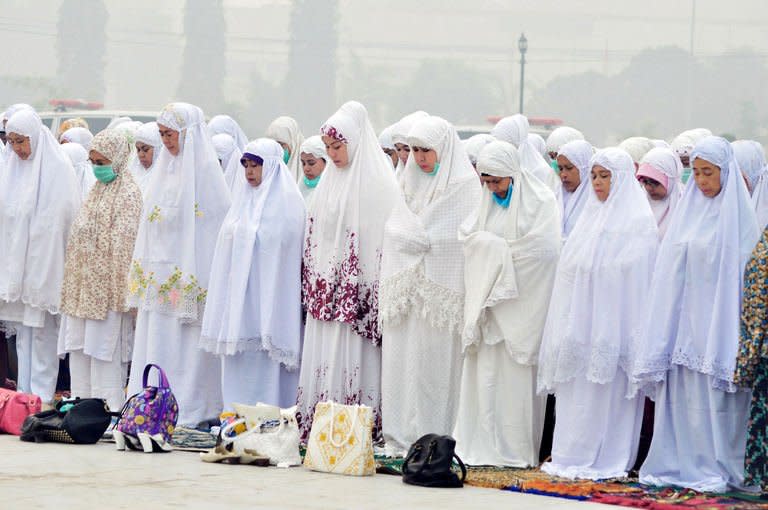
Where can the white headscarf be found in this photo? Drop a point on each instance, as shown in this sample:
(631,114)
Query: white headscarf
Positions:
(539,144)
(229,155)
(560,136)
(400,130)
(578,152)
(226,124)
(224,145)
(385,138)
(637,147)
(186,200)
(665,161)
(751,158)
(148,134)
(510,259)
(514,130)
(345,228)
(695,302)
(7,114)
(422,266)
(313,145)
(600,296)
(684,143)
(77,135)
(118,122)
(474,145)
(254,299)
(83,169)
(286,130)
(39,199)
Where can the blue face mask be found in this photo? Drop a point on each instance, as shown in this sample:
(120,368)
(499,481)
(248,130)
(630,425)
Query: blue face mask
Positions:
(104,173)
(686,175)
(554,166)
(504,202)
(434,172)
(286,156)
(311,183)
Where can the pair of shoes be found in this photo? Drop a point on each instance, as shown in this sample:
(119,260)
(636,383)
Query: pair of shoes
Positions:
(222,453)
(142,442)
(230,447)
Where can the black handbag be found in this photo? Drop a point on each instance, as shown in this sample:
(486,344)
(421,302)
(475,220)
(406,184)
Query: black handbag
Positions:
(79,421)
(429,462)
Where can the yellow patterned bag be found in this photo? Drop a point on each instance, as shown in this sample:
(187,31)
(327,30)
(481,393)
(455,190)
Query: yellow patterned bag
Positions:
(340,440)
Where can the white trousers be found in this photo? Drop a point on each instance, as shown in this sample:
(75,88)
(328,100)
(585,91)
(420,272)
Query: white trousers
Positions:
(91,377)
(38,361)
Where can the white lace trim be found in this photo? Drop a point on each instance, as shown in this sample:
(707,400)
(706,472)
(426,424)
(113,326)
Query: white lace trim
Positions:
(30,299)
(262,343)
(655,370)
(411,292)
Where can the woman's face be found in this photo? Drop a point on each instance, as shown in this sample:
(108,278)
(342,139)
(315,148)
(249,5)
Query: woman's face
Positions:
(498,185)
(425,158)
(337,151)
(170,139)
(402,152)
(311,165)
(145,153)
(654,188)
(20,145)
(601,182)
(253,172)
(99,159)
(569,174)
(707,177)
(392,154)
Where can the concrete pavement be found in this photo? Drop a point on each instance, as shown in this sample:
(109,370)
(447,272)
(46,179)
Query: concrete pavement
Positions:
(90,477)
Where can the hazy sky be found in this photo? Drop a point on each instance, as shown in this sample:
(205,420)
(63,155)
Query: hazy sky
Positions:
(145,39)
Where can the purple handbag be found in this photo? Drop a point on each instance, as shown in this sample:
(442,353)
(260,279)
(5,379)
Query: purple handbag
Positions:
(148,418)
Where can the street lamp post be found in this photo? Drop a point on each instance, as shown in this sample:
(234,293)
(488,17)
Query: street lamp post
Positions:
(522,45)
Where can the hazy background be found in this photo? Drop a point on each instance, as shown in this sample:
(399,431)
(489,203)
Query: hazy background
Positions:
(612,69)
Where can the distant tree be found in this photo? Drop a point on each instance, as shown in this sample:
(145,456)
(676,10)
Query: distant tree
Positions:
(662,92)
(451,89)
(310,83)
(81,48)
(204,64)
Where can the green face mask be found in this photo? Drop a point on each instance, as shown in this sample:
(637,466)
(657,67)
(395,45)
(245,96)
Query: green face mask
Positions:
(104,173)
(686,175)
(311,183)
(554,166)
(434,172)
(286,156)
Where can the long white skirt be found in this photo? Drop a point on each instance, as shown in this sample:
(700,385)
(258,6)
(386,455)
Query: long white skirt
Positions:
(337,365)
(420,382)
(252,376)
(500,417)
(597,429)
(99,354)
(699,434)
(194,375)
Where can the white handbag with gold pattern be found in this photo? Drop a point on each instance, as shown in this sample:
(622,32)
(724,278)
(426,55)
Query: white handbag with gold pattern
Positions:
(340,440)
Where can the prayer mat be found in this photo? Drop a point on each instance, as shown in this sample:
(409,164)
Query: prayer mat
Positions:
(192,440)
(671,498)
(574,489)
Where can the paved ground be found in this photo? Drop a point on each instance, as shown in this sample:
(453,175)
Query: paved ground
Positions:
(91,477)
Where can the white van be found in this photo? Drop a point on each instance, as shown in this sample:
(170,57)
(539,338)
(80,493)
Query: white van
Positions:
(97,120)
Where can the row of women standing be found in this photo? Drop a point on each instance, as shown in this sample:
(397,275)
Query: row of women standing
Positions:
(426,296)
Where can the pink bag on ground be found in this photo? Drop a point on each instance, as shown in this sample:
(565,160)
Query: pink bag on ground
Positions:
(14,409)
